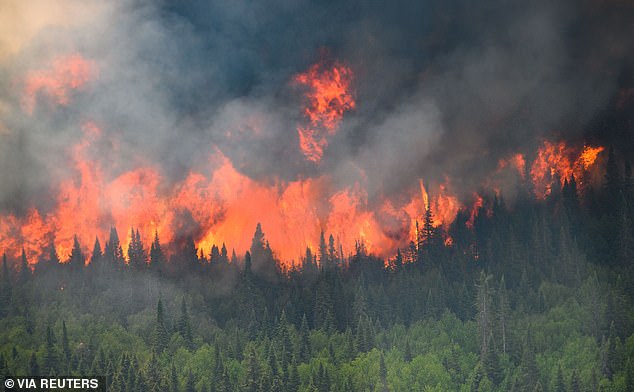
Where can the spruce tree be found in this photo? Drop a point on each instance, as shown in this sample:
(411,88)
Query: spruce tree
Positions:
(5,288)
(160,337)
(184,325)
(25,270)
(157,257)
(97,254)
(383,374)
(65,343)
(51,359)
(77,258)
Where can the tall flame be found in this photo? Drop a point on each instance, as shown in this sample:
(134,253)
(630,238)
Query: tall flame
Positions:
(219,204)
(328,97)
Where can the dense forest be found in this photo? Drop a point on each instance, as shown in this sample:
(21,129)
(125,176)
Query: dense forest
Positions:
(529,295)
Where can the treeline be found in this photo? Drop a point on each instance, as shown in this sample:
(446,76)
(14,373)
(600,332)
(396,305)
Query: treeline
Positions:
(537,296)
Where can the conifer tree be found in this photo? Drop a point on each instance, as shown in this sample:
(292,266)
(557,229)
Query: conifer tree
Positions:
(304,341)
(484,305)
(383,373)
(503,314)
(25,270)
(324,260)
(113,253)
(51,359)
(65,343)
(224,258)
(332,251)
(5,288)
(157,257)
(184,325)
(77,258)
(97,254)
(160,335)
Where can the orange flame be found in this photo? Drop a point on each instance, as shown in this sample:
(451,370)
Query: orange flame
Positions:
(477,204)
(328,98)
(557,160)
(63,75)
(219,204)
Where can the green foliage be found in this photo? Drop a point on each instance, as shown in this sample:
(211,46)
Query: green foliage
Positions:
(491,313)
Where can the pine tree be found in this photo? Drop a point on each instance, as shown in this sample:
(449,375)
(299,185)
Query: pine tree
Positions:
(160,336)
(503,313)
(383,374)
(173,379)
(65,343)
(5,288)
(214,256)
(428,232)
(247,265)
(52,261)
(324,260)
(397,264)
(491,364)
(51,360)
(610,353)
(253,372)
(304,341)
(528,365)
(324,309)
(292,384)
(137,258)
(484,304)
(157,257)
(97,254)
(25,270)
(224,258)
(184,325)
(113,253)
(332,251)
(77,258)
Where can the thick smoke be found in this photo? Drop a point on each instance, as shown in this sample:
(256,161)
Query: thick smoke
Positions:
(441,89)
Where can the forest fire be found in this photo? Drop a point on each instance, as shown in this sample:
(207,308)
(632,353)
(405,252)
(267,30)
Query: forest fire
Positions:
(214,208)
(556,162)
(328,97)
(218,204)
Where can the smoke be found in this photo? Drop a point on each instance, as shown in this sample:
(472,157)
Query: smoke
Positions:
(442,90)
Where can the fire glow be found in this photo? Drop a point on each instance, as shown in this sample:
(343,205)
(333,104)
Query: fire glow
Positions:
(328,97)
(218,204)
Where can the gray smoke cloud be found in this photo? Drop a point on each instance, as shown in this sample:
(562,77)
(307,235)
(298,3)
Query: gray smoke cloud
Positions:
(441,89)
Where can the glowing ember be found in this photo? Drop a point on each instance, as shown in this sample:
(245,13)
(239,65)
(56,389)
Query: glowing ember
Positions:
(328,97)
(56,82)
